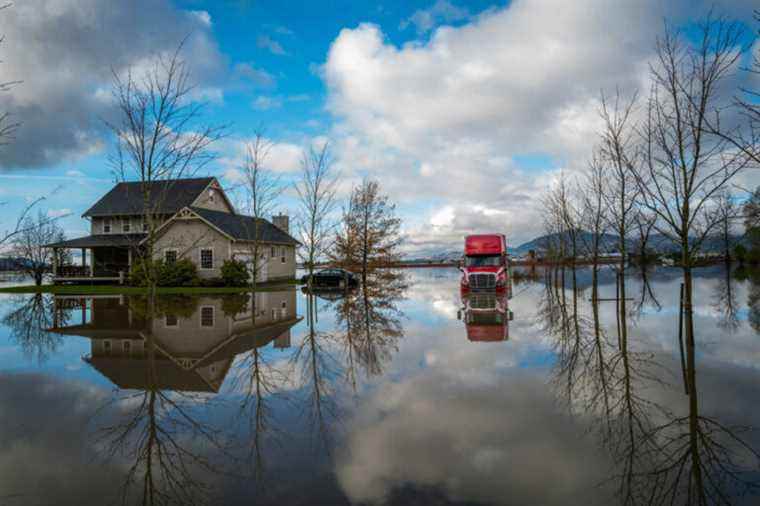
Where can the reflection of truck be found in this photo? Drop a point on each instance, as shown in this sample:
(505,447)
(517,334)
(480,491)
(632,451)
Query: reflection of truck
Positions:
(485,263)
(486,316)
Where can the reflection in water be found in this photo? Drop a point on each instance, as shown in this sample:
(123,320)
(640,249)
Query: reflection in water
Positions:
(663,455)
(162,354)
(28,323)
(368,323)
(376,396)
(485,316)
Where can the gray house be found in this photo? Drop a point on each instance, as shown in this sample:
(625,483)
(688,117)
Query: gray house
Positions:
(192,218)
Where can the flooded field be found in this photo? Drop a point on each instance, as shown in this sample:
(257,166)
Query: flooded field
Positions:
(400,392)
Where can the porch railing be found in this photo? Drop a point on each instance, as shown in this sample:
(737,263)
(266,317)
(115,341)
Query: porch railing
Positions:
(73,271)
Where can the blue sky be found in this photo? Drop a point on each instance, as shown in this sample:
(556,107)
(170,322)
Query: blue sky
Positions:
(465,111)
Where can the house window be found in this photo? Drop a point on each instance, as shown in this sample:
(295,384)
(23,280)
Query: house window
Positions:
(171,320)
(282,253)
(207,259)
(284,304)
(107,346)
(274,314)
(125,226)
(274,252)
(106,226)
(207,316)
(170,256)
(127,346)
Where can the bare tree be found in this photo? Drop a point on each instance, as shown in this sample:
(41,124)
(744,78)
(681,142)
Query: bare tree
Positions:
(316,194)
(159,137)
(726,212)
(31,245)
(370,235)
(261,188)
(685,166)
(745,137)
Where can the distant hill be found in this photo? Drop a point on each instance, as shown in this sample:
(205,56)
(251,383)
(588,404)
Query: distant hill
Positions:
(609,242)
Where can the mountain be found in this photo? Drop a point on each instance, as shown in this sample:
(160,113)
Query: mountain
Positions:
(609,242)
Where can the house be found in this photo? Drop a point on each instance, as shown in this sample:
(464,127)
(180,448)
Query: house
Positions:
(189,347)
(192,218)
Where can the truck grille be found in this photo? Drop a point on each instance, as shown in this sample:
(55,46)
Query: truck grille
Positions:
(483,301)
(482,281)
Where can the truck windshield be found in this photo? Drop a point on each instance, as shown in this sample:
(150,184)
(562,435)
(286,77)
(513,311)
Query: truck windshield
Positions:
(483,261)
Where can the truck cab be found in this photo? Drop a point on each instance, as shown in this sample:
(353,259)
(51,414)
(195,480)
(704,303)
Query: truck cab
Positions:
(485,265)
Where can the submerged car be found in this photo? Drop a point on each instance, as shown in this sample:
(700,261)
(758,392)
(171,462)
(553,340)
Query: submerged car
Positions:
(331,278)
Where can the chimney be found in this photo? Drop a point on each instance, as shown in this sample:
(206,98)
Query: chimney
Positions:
(282,222)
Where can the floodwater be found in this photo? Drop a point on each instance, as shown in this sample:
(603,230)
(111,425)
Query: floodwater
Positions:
(398,393)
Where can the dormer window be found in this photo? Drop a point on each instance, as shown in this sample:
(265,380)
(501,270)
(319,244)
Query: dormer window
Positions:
(125,226)
(106,226)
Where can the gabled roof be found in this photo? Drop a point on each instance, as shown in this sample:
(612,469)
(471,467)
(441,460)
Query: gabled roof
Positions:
(167,197)
(243,228)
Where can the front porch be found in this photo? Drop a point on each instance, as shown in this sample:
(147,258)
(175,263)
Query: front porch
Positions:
(109,259)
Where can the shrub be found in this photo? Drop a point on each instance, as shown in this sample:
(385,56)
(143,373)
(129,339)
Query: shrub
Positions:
(179,273)
(234,273)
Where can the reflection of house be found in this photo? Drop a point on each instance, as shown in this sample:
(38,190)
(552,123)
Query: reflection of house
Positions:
(486,316)
(190,344)
(194,220)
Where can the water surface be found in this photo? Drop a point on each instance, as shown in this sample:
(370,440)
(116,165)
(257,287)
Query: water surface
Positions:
(401,392)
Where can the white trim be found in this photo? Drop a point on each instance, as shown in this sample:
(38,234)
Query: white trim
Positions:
(213,317)
(103,225)
(128,223)
(201,249)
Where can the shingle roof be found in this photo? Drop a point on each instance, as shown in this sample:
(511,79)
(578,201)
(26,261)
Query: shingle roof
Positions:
(94,241)
(243,228)
(167,197)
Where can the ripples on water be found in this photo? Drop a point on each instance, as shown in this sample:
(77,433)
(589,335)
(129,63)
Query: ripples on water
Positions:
(400,392)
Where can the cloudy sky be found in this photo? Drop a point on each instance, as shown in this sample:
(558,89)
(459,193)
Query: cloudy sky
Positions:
(465,111)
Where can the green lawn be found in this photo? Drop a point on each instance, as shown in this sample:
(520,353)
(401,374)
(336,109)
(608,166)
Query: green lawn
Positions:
(127,290)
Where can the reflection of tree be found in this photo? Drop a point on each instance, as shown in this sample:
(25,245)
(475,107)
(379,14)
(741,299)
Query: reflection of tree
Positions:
(370,322)
(167,446)
(724,302)
(258,380)
(317,365)
(753,297)
(28,322)
(660,457)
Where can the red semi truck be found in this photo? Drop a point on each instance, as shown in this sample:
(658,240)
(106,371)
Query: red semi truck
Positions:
(485,265)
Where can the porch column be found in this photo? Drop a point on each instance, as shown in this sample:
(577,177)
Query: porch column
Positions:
(129,259)
(55,262)
(92,262)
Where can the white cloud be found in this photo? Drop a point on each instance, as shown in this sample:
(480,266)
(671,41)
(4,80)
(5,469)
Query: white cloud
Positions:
(58,213)
(74,173)
(257,76)
(203,16)
(63,52)
(271,45)
(442,11)
(443,120)
(264,103)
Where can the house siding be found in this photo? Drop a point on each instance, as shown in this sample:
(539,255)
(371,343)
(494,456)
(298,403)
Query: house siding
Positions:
(188,237)
(275,269)
(219,203)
